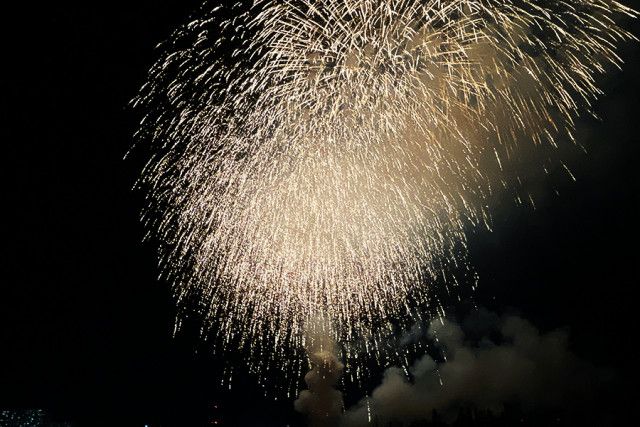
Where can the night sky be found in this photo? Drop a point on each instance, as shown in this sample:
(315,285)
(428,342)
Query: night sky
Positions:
(86,327)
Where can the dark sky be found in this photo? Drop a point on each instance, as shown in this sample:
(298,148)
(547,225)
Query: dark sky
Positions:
(85,326)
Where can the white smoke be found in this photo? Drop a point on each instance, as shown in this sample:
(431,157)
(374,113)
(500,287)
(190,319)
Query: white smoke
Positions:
(521,366)
(322,402)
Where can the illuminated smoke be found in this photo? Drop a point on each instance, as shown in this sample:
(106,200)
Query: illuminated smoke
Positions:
(324,158)
(322,402)
(507,362)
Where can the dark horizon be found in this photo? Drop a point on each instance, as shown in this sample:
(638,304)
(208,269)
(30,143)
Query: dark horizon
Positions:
(86,327)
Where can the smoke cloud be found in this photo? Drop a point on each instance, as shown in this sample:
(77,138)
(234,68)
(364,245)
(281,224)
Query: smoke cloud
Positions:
(488,362)
(322,402)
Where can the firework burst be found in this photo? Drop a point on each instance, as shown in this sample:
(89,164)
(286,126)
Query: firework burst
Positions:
(323,158)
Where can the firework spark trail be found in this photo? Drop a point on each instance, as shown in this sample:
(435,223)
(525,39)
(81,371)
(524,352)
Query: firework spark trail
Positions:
(323,158)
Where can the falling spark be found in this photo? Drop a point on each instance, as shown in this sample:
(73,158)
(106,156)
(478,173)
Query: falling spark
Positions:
(323,158)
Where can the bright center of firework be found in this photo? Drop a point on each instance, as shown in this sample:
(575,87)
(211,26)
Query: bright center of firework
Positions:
(321,159)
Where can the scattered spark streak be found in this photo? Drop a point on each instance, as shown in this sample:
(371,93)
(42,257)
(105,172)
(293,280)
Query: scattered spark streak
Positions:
(323,158)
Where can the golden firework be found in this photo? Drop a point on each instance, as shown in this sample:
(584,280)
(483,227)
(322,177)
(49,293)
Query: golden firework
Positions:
(322,158)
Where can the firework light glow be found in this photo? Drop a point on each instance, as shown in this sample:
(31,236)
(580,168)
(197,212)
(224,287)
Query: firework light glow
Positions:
(323,158)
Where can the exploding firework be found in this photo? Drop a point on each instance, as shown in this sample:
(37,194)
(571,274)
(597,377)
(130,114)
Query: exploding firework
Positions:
(323,158)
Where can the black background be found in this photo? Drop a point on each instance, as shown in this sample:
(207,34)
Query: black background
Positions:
(85,326)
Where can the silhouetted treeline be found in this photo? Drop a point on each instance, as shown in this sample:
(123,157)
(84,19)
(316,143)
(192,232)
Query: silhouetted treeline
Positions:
(513,416)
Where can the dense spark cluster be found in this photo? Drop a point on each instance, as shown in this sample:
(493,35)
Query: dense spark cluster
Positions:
(323,158)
